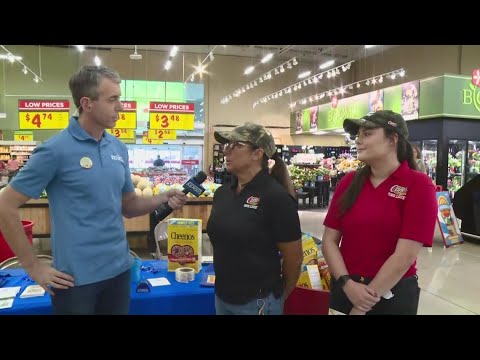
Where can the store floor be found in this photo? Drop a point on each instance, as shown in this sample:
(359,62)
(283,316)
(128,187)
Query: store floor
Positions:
(448,277)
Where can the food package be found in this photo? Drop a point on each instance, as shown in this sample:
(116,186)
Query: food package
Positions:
(310,278)
(184,244)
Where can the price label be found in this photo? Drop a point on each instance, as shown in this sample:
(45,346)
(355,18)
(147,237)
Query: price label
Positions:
(126,120)
(128,141)
(172,121)
(147,141)
(23,136)
(162,134)
(42,120)
(122,133)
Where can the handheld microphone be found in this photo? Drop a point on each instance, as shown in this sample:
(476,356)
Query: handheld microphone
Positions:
(193,185)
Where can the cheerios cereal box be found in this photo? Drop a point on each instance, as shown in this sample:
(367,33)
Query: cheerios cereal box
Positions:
(184,244)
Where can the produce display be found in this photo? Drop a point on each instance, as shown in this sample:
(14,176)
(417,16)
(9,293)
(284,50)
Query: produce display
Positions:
(160,182)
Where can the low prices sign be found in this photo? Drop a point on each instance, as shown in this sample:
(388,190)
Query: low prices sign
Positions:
(23,135)
(122,133)
(43,114)
(127,119)
(147,141)
(162,134)
(172,116)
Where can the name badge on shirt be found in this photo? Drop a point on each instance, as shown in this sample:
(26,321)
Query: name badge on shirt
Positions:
(86,162)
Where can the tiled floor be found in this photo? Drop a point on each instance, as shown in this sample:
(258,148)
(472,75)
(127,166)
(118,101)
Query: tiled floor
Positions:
(449,278)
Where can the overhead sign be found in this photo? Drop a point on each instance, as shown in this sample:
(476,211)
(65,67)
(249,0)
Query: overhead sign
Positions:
(43,114)
(162,134)
(127,119)
(147,141)
(23,135)
(172,116)
(122,133)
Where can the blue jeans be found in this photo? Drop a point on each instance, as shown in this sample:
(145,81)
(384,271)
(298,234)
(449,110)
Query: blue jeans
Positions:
(272,306)
(107,297)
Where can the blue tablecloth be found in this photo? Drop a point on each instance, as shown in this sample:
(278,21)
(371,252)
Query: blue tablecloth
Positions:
(174,299)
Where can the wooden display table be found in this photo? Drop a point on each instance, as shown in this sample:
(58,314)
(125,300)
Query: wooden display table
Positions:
(37,210)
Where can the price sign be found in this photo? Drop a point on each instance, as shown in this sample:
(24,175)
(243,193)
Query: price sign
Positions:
(122,133)
(162,134)
(43,114)
(147,141)
(128,141)
(172,116)
(23,136)
(127,119)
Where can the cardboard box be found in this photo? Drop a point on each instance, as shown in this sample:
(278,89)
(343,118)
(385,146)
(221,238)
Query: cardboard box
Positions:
(184,245)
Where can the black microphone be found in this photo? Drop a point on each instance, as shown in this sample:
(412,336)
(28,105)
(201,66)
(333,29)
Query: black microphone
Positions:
(193,185)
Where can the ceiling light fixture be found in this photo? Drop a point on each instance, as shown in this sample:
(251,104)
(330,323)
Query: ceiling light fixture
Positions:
(341,89)
(9,56)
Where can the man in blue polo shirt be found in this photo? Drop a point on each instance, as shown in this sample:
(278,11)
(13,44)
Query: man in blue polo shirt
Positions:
(86,175)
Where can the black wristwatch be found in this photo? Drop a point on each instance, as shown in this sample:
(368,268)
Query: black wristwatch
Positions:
(342,280)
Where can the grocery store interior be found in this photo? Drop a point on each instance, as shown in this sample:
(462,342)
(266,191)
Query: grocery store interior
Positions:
(301,94)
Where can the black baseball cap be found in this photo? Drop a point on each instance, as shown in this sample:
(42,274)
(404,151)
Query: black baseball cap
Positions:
(382,118)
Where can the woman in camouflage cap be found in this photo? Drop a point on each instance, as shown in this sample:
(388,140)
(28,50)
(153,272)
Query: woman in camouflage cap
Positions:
(252,220)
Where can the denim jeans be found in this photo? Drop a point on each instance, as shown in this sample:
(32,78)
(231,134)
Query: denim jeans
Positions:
(107,297)
(272,306)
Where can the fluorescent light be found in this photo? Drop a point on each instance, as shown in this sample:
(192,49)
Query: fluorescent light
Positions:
(327,64)
(267,58)
(9,57)
(174,51)
(321,132)
(248,70)
(97,61)
(304,74)
(80,47)
(369,46)
(339,131)
(168,65)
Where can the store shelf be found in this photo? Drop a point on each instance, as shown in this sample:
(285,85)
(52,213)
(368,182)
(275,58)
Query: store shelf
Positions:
(22,150)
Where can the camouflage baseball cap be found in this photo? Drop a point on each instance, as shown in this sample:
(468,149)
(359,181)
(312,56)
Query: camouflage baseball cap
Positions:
(382,118)
(249,132)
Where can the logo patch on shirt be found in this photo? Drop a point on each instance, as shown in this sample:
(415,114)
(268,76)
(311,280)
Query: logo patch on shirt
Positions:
(117,158)
(252,202)
(398,192)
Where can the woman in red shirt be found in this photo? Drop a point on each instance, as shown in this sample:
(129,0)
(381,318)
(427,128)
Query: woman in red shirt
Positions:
(379,219)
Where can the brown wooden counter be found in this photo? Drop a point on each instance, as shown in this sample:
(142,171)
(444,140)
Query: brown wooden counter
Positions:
(37,210)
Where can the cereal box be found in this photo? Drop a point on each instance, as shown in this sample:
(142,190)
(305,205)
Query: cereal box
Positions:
(184,244)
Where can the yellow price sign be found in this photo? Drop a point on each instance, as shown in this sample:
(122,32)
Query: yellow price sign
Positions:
(122,133)
(171,121)
(43,120)
(126,120)
(23,136)
(162,134)
(147,141)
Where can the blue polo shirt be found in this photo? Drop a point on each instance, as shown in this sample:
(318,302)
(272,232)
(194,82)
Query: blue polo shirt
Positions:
(87,231)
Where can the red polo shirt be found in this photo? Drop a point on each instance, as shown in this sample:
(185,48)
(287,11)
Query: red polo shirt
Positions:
(402,206)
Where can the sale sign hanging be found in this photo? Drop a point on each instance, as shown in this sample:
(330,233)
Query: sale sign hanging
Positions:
(162,134)
(172,116)
(43,114)
(127,119)
(23,135)
(147,141)
(122,133)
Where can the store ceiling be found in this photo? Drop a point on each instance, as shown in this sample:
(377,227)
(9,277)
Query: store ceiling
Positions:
(304,53)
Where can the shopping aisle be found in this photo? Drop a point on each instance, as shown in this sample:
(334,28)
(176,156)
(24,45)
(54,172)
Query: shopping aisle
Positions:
(448,277)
